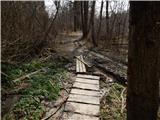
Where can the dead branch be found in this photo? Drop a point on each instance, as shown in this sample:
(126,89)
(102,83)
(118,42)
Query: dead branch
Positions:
(122,99)
(28,75)
(104,94)
(4,74)
(46,58)
(83,62)
(51,25)
(63,85)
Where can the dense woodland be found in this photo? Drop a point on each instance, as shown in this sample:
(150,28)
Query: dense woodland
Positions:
(119,41)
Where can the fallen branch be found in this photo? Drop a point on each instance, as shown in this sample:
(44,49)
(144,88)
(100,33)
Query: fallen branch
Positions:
(59,105)
(27,76)
(108,59)
(122,103)
(103,69)
(83,62)
(4,74)
(45,59)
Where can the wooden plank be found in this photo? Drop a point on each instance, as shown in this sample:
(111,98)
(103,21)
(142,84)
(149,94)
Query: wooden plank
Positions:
(80,69)
(80,65)
(88,76)
(85,92)
(82,108)
(86,86)
(89,81)
(84,99)
(74,116)
(77,66)
(83,65)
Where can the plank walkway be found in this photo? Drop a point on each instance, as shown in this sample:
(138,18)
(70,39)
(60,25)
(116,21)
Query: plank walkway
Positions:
(83,102)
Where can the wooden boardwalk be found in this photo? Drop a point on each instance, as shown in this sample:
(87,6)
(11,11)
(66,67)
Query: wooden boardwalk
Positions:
(83,102)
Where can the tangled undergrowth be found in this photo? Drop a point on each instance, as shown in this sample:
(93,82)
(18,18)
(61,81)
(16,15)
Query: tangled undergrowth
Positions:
(32,90)
(114,103)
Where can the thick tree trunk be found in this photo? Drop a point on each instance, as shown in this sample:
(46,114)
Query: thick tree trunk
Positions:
(143,61)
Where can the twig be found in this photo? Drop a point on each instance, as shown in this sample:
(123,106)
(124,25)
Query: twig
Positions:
(46,58)
(104,94)
(122,103)
(114,92)
(4,74)
(63,85)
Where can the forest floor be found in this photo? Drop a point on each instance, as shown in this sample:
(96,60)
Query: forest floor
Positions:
(42,95)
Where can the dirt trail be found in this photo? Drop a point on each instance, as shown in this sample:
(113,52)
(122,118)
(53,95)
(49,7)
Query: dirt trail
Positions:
(69,45)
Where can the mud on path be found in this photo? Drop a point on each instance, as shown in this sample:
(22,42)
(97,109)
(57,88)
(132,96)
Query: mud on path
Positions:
(69,45)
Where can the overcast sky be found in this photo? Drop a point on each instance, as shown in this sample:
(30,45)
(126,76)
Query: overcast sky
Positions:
(51,7)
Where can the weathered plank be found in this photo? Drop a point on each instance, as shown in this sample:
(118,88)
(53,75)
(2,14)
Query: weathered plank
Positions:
(86,86)
(84,99)
(89,81)
(80,66)
(85,92)
(83,102)
(86,109)
(74,116)
(88,76)
(77,65)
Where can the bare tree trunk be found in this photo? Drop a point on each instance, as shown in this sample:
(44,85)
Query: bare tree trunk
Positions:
(124,27)
(75,15)
(107,22)
(91,25)
(76,7)
(84,16)
(143,61)
(53,19)
(100,21)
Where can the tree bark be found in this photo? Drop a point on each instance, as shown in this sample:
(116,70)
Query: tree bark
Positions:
(75,15)
(107,22)
(76,7)
(91,32)
(84,17)
(143,61)
(100,21)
